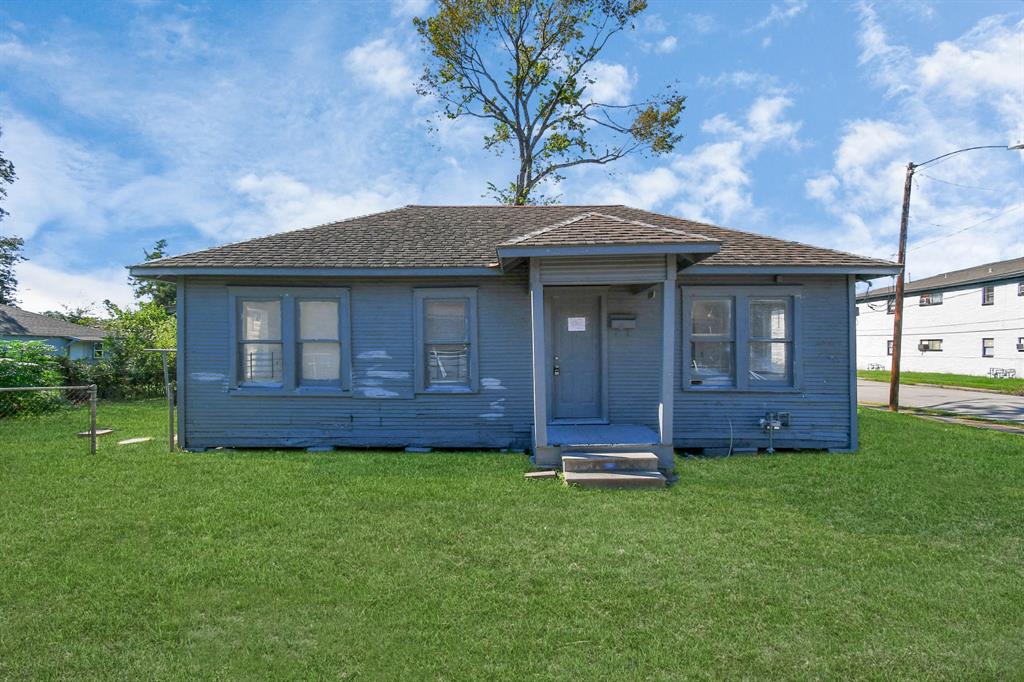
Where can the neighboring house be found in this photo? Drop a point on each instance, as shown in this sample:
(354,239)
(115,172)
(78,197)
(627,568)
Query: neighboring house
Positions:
(967,321)
(493,326)
(74,341)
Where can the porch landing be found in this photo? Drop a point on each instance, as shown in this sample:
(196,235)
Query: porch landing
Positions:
(586,435)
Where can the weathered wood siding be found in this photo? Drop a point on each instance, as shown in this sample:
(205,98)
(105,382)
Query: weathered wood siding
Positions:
(601,269)
(819,409)
(384,409)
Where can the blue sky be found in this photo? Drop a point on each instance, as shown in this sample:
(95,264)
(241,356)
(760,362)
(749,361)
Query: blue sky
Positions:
(211,122)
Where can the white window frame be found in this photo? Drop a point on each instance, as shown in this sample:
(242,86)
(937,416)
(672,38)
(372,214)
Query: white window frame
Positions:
(290,340)
(97,350)
(742,296)
(420,296)
(985,348)
(930,298)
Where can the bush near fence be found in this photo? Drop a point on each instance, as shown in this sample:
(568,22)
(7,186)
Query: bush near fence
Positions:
(29,363)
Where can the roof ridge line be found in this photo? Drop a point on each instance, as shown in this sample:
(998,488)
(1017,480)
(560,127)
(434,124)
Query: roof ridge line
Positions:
(549,228)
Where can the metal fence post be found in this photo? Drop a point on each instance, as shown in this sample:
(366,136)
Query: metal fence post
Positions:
(92,419)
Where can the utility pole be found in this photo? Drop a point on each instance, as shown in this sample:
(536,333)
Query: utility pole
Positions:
(897,321)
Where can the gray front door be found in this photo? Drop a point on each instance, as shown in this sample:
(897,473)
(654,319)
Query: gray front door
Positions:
(575,355)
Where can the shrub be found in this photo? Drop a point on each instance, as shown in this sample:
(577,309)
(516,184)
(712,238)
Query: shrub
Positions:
(29,363)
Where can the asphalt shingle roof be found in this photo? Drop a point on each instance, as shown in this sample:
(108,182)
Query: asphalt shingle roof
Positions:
(468,236)
(17,322)
(986,272)
(593,228)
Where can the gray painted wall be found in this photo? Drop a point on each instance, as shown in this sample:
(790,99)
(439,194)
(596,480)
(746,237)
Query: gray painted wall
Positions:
(384,410)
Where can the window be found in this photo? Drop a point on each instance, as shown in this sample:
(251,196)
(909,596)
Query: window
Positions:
(888,347)
(445,337)
(770,340)
(97,350)
(929,345)
(319,343)
(741,338)
(988,295)
(1020,288)
(290,339)
(988,348)
(1020,344)
(712,342)
(260,343)
(890,306)
(931,299)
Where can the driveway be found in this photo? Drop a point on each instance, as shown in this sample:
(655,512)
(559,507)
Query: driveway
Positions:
(958,400)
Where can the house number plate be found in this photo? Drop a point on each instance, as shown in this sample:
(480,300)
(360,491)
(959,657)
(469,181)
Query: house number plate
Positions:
(577,324)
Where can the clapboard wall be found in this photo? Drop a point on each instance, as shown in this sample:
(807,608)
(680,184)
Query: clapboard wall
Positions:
(383,409)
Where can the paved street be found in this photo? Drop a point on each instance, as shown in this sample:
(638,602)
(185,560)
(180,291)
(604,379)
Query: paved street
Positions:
(961,401)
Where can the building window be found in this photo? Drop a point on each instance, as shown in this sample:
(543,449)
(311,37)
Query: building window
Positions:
(745,341)
(929,345)
(445,337)
(888,347)
(988,295)
(1020,344)
(260,352)
(319,343)
(1020,288)
(934,298)
(712,342)
(291,338)
(770,340)
(890,306)
(988,348)
(97,350)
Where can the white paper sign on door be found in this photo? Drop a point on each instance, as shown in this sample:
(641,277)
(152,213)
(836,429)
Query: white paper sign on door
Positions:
(577,324)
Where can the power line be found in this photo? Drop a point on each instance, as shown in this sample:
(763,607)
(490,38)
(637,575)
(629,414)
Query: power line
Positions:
(964,229)
(957,184)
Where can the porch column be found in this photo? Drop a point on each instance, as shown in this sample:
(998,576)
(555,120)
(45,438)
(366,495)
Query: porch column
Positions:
(540,376)
(666,409)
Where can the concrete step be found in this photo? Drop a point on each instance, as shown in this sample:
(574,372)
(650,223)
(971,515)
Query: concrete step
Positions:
(609,461)
(618,479)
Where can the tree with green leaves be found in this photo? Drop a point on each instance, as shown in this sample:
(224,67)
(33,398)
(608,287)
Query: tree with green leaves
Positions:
(525,67)
(10,247)
(164,294)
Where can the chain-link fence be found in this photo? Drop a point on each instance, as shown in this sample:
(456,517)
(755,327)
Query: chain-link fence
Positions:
(31,408)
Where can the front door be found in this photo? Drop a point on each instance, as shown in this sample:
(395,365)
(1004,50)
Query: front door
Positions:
(575,355)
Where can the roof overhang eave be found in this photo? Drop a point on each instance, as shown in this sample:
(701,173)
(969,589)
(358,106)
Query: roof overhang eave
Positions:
(859,271)
(511,254)
(171,273)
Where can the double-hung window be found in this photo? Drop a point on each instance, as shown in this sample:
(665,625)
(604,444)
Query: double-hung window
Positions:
(988,348)
(260,343)
(988,295)
(740,338)
(446,340)
(290,339)
(932,298)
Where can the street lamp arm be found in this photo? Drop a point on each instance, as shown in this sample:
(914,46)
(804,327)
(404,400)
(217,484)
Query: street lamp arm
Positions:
(966,149)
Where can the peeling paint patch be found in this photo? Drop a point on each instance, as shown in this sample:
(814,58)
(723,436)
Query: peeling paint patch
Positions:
(493,415)
(206,376)
(375,392)
(374,355)
(387,374)
(492,384)
(371,382)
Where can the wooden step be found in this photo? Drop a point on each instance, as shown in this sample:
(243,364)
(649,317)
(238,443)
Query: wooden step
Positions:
(609,461)
(617,479)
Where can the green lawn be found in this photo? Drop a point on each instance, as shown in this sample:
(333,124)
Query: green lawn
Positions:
(903,561)
(1011,386)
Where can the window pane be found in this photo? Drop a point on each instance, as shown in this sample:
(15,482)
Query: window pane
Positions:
(768,319)
(712,363)
(712,317)
(445,319)
(447,364)
(261,320)
(318,319)
(261,362)
(769,361)
(321,361)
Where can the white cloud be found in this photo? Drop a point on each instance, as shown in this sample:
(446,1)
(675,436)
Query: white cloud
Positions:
(613,83)
(701,23)
(48,286)
(381,65)
(713,181)
(781,14)
(956,94)
(666,45)
(409,8)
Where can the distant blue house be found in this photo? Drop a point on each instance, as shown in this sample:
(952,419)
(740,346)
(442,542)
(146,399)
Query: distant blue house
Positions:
(74,341)
(552,328)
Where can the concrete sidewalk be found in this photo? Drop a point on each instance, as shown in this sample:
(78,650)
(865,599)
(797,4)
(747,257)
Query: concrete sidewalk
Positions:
(985,405)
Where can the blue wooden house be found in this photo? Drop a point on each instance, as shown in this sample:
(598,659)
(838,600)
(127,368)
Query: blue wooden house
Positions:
(552,328)
(74,341)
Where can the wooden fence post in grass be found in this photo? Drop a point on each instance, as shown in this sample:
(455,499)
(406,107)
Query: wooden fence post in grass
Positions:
(92,419)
